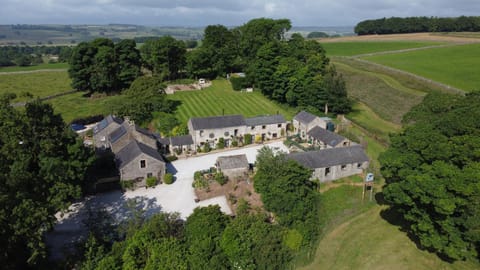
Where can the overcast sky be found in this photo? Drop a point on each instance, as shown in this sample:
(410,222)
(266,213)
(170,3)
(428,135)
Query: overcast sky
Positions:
(226,12)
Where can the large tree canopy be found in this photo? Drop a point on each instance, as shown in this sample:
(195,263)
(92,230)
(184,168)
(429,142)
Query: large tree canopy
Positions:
(164,56)
(433,174)
(42,167)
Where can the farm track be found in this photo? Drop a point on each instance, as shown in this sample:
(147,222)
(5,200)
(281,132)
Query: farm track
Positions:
(34,71)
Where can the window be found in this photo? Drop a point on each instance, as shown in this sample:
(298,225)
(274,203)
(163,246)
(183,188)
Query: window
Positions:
(327,171)
(279,125)
(359,165)
(264,127)
(201,133)
(252,128)
(226,134)
(149,175)
(343,167)
(143,163)
(211,136)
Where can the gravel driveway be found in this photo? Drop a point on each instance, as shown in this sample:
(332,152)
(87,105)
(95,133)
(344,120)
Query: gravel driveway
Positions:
(177,197)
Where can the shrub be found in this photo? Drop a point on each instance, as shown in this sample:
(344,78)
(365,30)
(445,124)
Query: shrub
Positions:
(127,184)
(171,158)
(207,148)
(197,175)
(220,178)
(168,178)
(247,139)
(243,207)
(258,138)
(234,143)
(238,83)
(151,181)
(221,143)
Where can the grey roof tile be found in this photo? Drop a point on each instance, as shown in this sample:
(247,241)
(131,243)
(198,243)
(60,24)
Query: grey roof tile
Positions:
(232,162)
(330,157)
(117,134)
(181,140)
(265,120)
(214,122)
(326,136)
(106,122)
(133,150)
(304,117)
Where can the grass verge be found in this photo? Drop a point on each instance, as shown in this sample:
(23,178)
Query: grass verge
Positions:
(363,47)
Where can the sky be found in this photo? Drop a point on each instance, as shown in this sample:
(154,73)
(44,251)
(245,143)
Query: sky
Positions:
(225,12)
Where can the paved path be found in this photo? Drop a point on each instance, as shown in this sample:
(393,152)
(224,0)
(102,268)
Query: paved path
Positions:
(177,197)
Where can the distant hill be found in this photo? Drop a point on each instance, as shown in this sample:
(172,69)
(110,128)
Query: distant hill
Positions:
(72,34)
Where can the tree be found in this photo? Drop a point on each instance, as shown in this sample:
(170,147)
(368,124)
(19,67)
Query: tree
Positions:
(432,171)
(129,62)
(203,231)
(251,243)
(43,166)
(317,35)
(164,56)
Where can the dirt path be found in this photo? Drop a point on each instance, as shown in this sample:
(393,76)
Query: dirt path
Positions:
(33,71)
(405,50)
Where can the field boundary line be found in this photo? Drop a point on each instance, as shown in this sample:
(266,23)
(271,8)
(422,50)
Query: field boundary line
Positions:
(33,71)
(22,103)
(406,50)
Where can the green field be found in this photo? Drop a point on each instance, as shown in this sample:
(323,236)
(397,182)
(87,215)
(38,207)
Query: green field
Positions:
(364,47)
(39,84)
(384,94)
(76,105)
(221,99)
(456,66)
(36,67)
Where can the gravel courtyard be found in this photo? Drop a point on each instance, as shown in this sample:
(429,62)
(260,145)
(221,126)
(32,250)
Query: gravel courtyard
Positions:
(177,197)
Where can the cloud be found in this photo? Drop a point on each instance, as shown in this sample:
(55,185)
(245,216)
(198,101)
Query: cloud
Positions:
(227,12)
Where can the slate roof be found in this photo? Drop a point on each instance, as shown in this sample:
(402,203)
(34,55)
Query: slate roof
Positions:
(325,136)
(330,157)
(144,131)
(265,120)
(304,117)
(181,140)
(106,122)
(117,134)
(214,122)
(133,150)
(232,162)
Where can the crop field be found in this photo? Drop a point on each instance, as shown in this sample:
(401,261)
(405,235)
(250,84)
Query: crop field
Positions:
(221,99)
(455,66)
(352,48)
(36,67)
(39,84)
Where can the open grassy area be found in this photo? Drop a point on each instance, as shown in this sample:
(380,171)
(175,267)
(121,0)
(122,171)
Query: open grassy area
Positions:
(456,66)
(363,47)
(221,99)
(385,95)
(36,67)
(39,84)
(76,105)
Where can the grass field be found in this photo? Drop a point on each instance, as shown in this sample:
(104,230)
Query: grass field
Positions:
(364,47)
(456,66)
(39,84)
(386,96)
(36,67)
(220,98)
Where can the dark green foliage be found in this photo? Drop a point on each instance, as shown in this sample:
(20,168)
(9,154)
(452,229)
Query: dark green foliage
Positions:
(251,243)
(164,56)
(247,139)
(144,97)
(317,35)
(42,166)
(166,123)
(203,231)
(168,178)
(287,191)
(151,181)
(238,83)
(102,66)
(432,172)
(220,178)
(395,25)
(220,143)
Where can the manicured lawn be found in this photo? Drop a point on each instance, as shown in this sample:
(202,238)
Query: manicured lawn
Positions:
(456,66)
(221,99)
(36,67)
(363,47)
(39,84)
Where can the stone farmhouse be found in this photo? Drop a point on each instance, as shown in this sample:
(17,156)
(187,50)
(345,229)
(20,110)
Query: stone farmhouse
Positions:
(229,127)
(135,149)
(333,163)
(324,138)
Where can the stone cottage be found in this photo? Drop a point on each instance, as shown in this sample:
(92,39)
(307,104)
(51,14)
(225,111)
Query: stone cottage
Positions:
(304,122)
(333,163)
(103,129)
(324,138)
(138,161)
(266,127)
(233,166)
(210,129)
